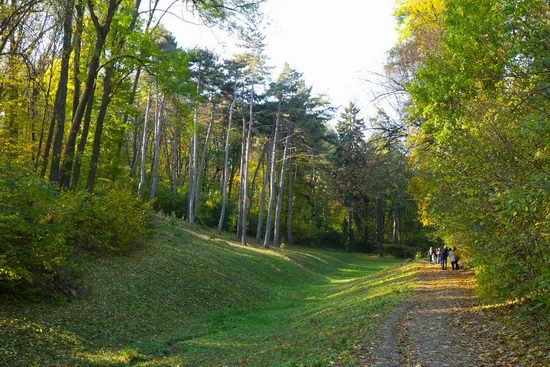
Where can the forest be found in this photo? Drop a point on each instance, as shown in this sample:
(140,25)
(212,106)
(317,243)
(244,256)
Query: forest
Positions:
(114,116)
(109,130)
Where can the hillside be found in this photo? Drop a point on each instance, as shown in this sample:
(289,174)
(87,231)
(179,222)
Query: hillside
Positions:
(185,298)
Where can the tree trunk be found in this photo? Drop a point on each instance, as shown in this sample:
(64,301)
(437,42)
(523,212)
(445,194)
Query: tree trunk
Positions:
(396,223)
(61,95)
(262,195)
(231,179)
(272,178)
(291,177)
(226,165)
(193,169)
(93,68)
(75,177)
(278,210)
(200,173)
(349,230)
(241,178)
(380,225)
(76,58)
(175,160)
(158,125)
(366,223)
(246,163)
(141,184)
(99,130)
(43,124)
(255,176)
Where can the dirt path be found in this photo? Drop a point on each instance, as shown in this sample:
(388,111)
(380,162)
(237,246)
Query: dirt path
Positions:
(437,326)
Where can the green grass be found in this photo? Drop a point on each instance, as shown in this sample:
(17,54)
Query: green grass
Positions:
(187,299)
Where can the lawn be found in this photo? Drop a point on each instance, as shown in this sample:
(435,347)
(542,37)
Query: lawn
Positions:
(187,298)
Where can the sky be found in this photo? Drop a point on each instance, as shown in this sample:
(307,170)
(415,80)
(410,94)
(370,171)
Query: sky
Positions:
(337,45)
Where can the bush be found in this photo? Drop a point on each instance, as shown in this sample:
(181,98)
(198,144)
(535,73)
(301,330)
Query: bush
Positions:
(166,202)
(40,228)
(32,236)
(109,220)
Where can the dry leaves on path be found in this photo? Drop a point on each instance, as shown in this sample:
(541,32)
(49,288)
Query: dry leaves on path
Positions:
(443,324)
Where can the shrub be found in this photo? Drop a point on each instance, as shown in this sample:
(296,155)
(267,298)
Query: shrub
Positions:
(32,236)
(39,227)
(107,220)
(166,202)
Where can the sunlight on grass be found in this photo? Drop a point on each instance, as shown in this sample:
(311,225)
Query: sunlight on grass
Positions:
(184,299)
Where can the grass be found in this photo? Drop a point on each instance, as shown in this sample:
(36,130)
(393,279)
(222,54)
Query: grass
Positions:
(186,298)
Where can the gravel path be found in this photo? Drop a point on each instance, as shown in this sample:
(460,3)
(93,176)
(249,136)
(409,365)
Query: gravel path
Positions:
(437,326)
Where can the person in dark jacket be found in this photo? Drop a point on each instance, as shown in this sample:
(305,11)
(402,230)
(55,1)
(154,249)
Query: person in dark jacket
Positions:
(444,256)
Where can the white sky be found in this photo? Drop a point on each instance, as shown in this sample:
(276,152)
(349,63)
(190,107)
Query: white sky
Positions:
(335,44)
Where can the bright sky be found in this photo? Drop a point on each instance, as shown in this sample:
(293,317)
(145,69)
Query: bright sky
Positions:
(335,44)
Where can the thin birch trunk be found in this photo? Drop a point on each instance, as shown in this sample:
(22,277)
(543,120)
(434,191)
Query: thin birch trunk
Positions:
(278,210)
(144,146)
(226,165)
(262,197)
(193,169)
(241,178)
(158,126)
(200,173)
(272,178)
(246,162)
(291,177)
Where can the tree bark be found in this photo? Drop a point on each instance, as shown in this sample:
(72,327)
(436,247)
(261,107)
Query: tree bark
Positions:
(262,196)
(278,210)
(226,165)
(93,68)
(141,184)
(349,230)
(61,95)
(200,173)
(291,177)
(380,225)
(272,178)
(158,125)
(76,58)
(246,163)
(75,177)
(241,179)
(396,223)
(99,131)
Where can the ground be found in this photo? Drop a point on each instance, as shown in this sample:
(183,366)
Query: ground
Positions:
(188,297)
(443,324)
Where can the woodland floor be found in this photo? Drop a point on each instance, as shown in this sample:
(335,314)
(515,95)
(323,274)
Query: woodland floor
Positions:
(443,323)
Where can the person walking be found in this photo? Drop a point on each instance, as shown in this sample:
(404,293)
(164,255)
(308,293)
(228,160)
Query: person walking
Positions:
(456,255)
(444,255)
(452,258)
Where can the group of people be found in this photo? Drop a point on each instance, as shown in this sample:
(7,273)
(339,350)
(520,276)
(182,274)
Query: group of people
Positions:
(441,255)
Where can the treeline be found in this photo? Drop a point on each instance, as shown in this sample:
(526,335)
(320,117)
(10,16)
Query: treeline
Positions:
(101,112)
(477,76)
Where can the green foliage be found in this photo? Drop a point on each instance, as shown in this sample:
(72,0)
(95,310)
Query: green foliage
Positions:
(166,202)
(40,228)
(479,96)
(32,237)
(108,219)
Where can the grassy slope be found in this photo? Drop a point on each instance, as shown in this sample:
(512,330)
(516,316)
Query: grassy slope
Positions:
(186,299)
